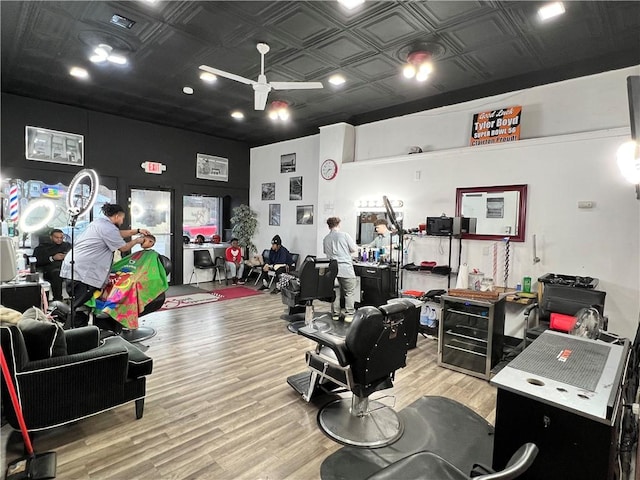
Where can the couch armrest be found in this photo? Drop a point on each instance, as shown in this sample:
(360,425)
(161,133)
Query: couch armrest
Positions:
(82,339)
(333,342)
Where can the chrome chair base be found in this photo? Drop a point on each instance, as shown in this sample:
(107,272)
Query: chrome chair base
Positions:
(138,335)
(375,426)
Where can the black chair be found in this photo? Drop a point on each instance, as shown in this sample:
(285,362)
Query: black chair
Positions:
(363,362)
(21,296)
(220,269)
(295,257)
(88,377)
(430,466)
(202,261)
(562,299)
(314,281)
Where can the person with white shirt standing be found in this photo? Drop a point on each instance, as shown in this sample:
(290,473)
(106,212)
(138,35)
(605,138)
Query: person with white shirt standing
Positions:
(340,246)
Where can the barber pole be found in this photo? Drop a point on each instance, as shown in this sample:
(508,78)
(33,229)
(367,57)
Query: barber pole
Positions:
(13,203)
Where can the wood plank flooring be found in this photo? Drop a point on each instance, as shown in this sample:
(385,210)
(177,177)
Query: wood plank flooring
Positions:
(218,405)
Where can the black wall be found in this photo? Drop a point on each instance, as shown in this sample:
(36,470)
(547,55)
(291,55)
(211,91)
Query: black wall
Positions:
(115,147)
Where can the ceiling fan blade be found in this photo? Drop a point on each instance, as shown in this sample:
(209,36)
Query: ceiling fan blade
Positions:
(228,75)
(295,85)
(260,101)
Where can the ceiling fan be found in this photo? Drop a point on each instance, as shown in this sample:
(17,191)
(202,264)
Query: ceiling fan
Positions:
(262,87)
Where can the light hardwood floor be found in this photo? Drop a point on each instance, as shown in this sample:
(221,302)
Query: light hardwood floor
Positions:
(218,405)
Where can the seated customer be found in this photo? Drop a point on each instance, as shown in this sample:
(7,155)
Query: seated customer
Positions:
(234,262)
(133,283)
(280,260)
(49,257)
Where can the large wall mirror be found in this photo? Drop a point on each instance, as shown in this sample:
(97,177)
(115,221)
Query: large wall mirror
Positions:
(501,211)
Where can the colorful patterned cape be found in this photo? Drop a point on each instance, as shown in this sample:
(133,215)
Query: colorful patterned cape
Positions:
(133,283)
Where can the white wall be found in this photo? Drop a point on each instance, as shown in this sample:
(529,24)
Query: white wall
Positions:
(265,168)
(560,167)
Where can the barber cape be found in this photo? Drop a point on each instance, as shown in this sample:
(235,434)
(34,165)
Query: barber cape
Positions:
(133,283)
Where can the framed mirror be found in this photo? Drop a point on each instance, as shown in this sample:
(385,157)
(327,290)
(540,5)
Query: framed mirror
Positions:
(500,211)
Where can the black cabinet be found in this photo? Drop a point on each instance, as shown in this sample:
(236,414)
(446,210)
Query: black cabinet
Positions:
(377,283)
(471,335)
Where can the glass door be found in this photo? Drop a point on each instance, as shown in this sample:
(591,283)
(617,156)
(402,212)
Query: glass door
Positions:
(153,210)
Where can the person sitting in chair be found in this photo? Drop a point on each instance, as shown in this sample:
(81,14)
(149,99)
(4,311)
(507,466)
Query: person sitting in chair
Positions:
(234,262)
(49,257)
(280,261)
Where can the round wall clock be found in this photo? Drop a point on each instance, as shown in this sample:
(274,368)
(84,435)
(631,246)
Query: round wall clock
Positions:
(329,169)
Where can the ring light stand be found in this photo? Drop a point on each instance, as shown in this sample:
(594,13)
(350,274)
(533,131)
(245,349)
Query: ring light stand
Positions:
(76,211)
(397,224)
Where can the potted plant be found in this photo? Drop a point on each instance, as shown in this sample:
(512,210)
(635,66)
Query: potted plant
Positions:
(244,224)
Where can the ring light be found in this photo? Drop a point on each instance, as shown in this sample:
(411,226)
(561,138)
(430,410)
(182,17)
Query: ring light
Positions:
(390,213)
(93,192)
(28,212)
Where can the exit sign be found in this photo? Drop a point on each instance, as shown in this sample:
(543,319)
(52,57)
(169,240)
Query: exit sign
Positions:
(153,167)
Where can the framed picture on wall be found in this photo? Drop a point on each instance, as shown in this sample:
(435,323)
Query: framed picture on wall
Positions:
(44,145)
(274,214)
(304,214)
(295,188)
(288,163)
(209,167)
(268,191)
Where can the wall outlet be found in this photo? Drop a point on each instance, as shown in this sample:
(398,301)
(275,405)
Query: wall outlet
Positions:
(418,175)
(586,204)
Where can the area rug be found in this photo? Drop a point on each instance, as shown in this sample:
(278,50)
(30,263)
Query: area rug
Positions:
(201,297)
(431,423)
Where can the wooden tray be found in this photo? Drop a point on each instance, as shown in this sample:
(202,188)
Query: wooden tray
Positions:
(473,294)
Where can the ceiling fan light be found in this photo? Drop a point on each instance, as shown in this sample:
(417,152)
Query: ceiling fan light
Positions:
(283,114)
(208,77)
(409,71)
(97,59)
(422,76)
(117,59)
(273,115)
(426,67)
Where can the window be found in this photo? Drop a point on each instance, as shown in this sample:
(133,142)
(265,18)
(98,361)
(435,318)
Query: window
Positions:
(201,216)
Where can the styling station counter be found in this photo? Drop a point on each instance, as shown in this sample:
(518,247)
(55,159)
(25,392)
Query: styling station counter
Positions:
(564,393)
(200,275)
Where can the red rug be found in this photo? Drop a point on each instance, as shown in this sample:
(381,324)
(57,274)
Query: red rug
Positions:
(200,298)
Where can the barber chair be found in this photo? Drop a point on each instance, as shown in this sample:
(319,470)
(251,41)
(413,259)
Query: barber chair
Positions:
(64,376)
(105,322)
(559,299)
(314,281)
(430,466)
(363,362)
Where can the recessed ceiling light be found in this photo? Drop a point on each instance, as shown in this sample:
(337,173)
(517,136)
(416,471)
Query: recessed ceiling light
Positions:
(208,77)
(350,4)
(336,79)
(78,72)
(237,114)
(187,90)
(550,10)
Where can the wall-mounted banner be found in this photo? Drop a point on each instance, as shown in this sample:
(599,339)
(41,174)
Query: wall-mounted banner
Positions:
(209,167)
(154,167)
(501,125)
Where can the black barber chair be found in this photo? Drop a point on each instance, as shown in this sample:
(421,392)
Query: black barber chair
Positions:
(363,362)
(430,466)
(561,299)
(314,281)
(105,322)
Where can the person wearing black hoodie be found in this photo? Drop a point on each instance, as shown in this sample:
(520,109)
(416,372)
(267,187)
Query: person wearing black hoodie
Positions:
(280,260)
(49,257)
